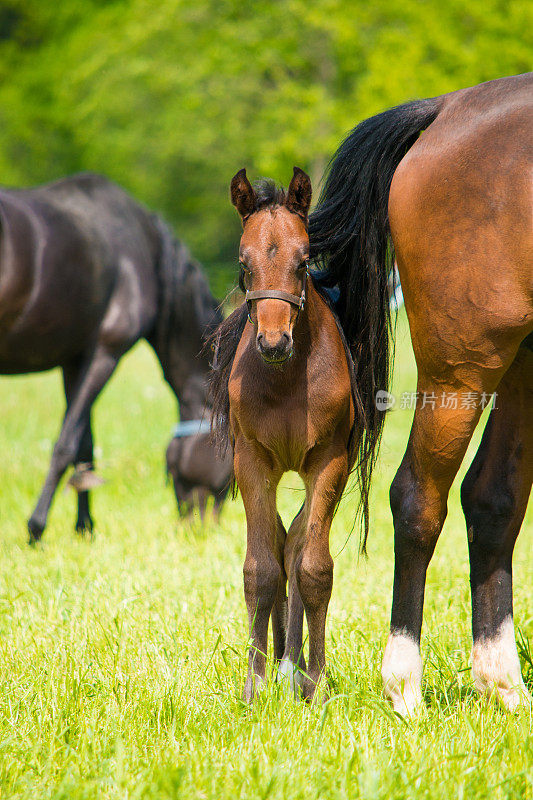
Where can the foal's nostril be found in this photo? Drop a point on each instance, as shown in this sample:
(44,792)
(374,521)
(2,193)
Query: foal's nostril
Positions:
(279,351)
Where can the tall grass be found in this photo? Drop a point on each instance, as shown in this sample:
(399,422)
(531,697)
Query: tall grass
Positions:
(122,659)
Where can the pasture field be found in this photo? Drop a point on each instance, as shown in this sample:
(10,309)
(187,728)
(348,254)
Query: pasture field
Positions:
(122,659)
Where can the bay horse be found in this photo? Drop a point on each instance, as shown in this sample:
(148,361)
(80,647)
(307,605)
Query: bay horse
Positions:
(284,393)
(85,272)
(444,186)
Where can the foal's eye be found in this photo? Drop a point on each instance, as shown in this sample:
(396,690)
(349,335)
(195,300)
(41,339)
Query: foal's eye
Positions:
(244,268)
(303,266)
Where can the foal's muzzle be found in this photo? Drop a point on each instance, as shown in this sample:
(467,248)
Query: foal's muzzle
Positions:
(274,350)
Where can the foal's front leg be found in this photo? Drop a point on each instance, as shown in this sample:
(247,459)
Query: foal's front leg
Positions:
(325,479)
(263,574)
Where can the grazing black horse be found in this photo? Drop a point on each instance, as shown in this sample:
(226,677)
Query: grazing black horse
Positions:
(85,272)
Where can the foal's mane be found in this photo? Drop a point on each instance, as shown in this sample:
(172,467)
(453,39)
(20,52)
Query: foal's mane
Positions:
(268,194)
(224,342)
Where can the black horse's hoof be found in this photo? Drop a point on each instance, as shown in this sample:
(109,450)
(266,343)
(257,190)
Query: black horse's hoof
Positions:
(35,530)
(85,528)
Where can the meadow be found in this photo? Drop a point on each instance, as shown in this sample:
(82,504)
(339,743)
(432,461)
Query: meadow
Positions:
(122,658)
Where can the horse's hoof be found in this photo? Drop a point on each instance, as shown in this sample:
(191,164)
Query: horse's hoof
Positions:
(515,698)
(252,686)
(496,669)
(401,672)
(85,528)
(84,478)
(35,530)
(289,676)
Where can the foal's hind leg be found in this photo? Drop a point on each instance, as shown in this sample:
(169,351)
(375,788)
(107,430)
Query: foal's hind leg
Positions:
(96,374)
(262,571)
(279,611)
(292,665)
(494,495)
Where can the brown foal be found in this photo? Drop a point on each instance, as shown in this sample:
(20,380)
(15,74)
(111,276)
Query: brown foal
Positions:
(291,407)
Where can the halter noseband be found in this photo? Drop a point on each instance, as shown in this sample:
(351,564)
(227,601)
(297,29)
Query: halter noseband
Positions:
(276,294)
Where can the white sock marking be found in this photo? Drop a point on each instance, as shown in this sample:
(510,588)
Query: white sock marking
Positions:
(402,673)
(290,675)
(496,667)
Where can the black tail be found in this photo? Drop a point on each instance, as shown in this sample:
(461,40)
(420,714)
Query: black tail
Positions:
(350,243)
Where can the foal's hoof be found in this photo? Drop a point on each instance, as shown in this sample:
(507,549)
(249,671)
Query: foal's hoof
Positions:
(35,530)
(290,677)
(252,686)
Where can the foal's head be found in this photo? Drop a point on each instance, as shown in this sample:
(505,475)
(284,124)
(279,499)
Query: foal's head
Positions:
(273,256)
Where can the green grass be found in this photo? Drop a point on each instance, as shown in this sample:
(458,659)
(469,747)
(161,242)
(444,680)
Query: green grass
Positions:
(122,659)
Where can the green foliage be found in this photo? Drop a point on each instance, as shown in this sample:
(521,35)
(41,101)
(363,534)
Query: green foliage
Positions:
(171,98)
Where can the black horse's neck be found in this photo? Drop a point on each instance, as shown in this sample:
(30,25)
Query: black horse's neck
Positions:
(187,314)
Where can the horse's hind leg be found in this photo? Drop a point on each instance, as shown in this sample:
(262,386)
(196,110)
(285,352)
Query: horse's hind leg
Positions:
(292,666)
(419,493)
(279,611)
(85,455)
(94,377)
(494,495)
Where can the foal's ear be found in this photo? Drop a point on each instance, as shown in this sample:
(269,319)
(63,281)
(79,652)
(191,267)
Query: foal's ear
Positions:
(299,193)
(242,194)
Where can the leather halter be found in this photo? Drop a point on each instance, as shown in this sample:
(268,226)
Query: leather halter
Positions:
(276,294)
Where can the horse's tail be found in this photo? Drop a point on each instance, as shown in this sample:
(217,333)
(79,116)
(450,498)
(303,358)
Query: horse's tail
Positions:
(350,242)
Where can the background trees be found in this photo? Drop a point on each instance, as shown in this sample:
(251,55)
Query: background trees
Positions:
(170,99)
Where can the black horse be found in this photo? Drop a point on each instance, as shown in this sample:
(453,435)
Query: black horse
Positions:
(85,272)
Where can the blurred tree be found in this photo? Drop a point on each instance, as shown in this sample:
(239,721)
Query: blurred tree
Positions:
(170,99)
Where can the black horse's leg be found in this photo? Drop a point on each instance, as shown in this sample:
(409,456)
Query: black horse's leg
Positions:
(92,380)
(84,456)
(84,523)
(494,495)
